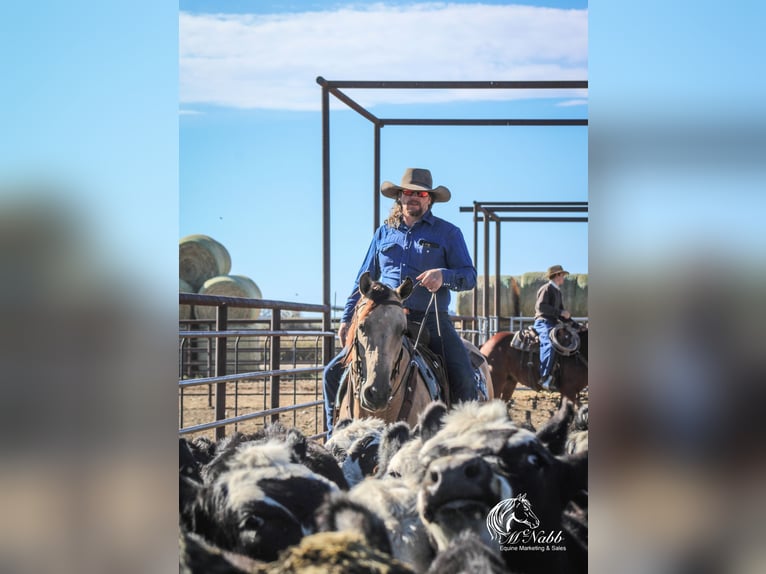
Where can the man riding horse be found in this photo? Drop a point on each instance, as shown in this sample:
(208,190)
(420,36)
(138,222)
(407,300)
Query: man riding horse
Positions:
(414,243)
(549,310)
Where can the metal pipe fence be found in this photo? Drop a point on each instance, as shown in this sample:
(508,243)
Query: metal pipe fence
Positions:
(241,374)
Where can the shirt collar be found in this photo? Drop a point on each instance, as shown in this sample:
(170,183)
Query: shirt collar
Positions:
(428,218)
(556,286)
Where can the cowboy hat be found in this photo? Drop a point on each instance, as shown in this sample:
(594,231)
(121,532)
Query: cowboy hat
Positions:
(418,179)
(555,270)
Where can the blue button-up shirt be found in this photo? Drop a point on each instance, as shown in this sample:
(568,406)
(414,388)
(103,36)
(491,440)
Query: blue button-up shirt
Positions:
(397,253)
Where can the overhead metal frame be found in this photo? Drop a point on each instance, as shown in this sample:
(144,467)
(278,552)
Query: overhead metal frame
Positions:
(487,212)
(334,87)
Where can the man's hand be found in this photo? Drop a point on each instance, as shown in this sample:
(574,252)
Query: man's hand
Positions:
(431,279)
(565,314)
(342,332)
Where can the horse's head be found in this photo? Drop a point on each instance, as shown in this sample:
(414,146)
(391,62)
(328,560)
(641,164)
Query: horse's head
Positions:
(377,338)
(521,511)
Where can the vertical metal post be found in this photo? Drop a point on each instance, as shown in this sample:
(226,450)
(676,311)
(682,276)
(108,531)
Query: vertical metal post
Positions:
(276,325)
(220,369)
(376,183)
(475,298)
(498,285)
(329,342)
(485,298)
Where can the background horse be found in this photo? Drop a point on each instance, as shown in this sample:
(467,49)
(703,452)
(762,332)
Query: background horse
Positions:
(380,381)
(508,366)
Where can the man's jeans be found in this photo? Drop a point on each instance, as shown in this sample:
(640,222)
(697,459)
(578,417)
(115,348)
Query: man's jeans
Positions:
(456,361)
(330,383)
(547,353)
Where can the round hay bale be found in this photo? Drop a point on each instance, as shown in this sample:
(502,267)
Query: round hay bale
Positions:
(200,258)
(229,286)
(185,311)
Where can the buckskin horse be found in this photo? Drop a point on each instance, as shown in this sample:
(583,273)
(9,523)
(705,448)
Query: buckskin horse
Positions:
(510,366)
(382,380)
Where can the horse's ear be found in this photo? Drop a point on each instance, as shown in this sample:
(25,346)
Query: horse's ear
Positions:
(405,289)
(365,283)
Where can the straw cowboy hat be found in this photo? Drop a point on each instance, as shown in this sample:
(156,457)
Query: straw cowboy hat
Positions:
(418,179)
(555,270)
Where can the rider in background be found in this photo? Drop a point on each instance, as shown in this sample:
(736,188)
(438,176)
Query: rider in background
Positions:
(413,242)
(549,309)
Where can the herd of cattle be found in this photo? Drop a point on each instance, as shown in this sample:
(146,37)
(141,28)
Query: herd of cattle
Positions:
(388,498)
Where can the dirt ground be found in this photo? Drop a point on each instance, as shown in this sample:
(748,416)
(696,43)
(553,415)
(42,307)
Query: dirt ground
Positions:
(247,397)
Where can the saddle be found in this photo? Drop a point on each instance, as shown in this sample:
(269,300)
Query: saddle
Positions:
(564,339)
(431,369)
(526,339)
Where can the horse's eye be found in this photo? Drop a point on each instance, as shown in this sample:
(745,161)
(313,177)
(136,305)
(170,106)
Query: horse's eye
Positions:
(533,459)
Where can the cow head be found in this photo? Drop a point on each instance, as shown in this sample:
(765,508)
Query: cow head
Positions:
(261,502)
(480,458)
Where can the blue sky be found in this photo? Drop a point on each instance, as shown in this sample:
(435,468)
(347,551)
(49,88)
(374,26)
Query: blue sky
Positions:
(250,127)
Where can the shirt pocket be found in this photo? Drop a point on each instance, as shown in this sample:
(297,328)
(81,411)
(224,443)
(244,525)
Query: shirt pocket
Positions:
(390,255)
(428,255)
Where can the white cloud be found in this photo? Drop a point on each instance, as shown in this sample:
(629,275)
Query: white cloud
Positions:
(184,112)
(272,61)
(570,103)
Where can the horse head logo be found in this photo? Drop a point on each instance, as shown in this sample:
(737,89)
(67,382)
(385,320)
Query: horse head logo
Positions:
(501,518)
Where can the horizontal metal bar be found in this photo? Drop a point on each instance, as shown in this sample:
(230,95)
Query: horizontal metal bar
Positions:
(482,122)
(216,300)
(456,85)
(249,416)
(244,376)
(495,204)
(538,219)
(531,209)
(252,332)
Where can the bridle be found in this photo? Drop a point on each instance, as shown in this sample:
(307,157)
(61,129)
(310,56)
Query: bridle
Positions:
(356,366)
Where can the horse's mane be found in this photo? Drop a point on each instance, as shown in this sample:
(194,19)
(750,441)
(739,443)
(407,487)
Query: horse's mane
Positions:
(377,294)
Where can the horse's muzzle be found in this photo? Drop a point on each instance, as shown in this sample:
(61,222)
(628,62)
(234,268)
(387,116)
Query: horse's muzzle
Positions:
(371,400)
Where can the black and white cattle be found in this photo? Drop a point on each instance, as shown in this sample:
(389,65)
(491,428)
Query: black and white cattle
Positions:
(258,500)
(399,448)
(467,554)
(347,431)
(354,445)
(553,434)
(480,458)
(302,450)
(394,501)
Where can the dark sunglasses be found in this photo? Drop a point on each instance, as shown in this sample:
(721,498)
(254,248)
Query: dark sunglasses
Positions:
(410,192)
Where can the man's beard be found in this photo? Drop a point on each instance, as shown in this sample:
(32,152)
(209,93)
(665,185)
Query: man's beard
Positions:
(413,210)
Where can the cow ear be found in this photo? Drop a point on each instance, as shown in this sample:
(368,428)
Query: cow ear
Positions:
(405,289)
(296,441)
(340,513)
(554,433)
(365,284)
(391,441)
(432,419)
